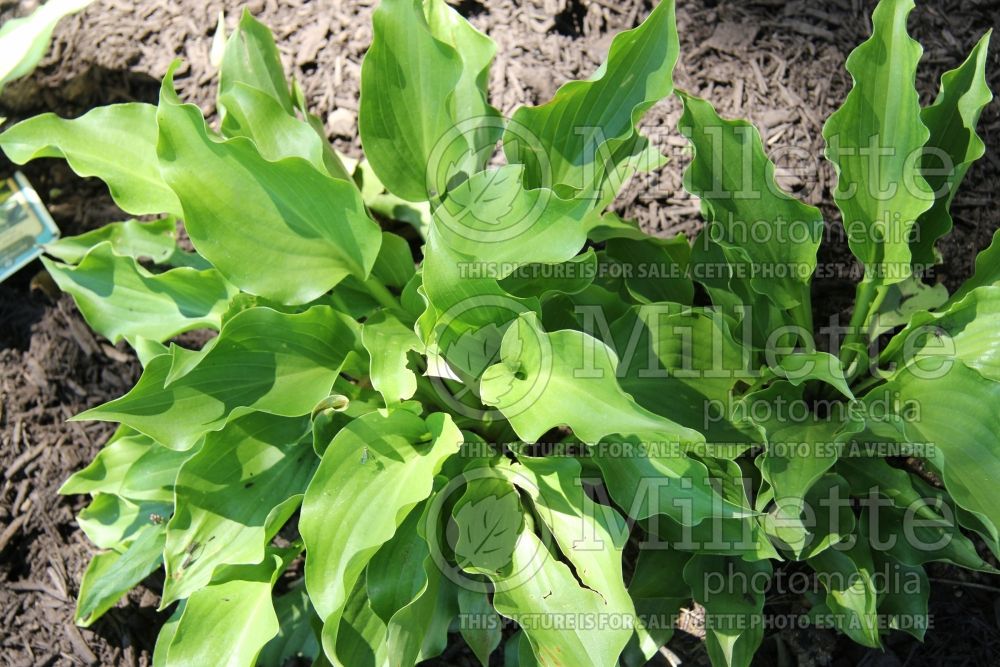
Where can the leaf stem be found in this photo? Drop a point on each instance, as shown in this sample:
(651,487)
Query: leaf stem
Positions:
(866,384)
(377,289)
(868,300)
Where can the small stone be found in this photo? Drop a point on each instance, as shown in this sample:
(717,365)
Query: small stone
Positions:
(342,123)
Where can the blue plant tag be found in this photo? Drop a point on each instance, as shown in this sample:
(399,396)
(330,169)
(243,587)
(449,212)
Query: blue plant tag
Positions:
(25,225)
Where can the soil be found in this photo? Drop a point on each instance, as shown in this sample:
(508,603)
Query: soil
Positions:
(777,63)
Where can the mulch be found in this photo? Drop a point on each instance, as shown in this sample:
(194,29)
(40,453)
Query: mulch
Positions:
(778,63)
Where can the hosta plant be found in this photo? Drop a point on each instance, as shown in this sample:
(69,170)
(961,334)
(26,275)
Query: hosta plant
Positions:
(451,395)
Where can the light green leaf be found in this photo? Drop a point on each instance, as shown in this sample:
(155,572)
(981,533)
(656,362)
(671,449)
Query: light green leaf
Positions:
(703,507)
(904,300)
(965,332)
(156,241)
(539,584)
(872,141)
(132,466)
(388,342)
(115,143)
(110,521)
(111,574)
(395,576)
(488,529)
(263,360)
(567,378)
(541,280)
(251,58)
(424,117)
(590,536)
(588,130)
(236,606)
(305,230)
(952,121)
(120,299)
(493,219)
(759,226)
(389,459)
(808,524)
(166,636)
(233,495)
(24,41)
(277,134)
(255,102)
(961,429)
(361,640)
(729,590)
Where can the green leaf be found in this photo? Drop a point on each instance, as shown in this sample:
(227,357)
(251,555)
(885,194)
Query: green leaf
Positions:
(263,360)
(567,378)
(965,332)
(166,636)
(654,269)
(373,473)
(233,496)
(987,269)
(800,367)
(120,299)
(902,301)
(952,121)
(541,280)
(488,529)
(659,591)
(251,58)
(962,430)
(111,574)
(540,586)
(255,102)
(770,236)
(493,219)
(111,521)
(296,639)
(872,141)
(480,626)
(130,465)
(362,637)
(590,536)
(424,115)
(156,241)
(584,134)
(704,508)
(395,575)
(903,600)
(24,41)
(685,364)
(116,143)
(305,230)
(847,576)
(818,519)
(388,342)
(730,590)
(394,265)
(236,606)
